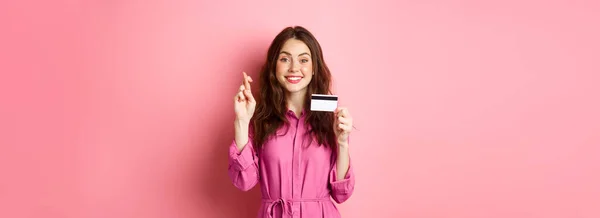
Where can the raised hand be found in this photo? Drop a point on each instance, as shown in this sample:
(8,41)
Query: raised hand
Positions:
(244,103)
(342,125)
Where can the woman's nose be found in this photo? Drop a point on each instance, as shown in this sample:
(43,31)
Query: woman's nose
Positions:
(294,66)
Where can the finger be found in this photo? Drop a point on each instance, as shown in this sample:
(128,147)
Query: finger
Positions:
(248,95)
(237,97)
(340,127)
(344,112)
(241,93)
(343,120)
(340,111)
(241,96)
(345,128)
(237,94)
(246,81)
(341,116)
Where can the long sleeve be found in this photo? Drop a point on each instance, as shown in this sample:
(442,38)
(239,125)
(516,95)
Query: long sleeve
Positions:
(243,166)
(341,190)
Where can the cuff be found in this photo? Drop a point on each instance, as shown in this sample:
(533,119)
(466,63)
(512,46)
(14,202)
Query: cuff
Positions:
(344,185)
(241,160)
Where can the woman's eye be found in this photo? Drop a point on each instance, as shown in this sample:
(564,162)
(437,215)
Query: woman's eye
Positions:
(304,61)
(283,59)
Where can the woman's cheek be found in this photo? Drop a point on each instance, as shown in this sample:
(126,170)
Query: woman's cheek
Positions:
(281,69)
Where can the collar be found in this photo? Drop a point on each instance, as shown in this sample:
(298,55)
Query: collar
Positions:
(292,114)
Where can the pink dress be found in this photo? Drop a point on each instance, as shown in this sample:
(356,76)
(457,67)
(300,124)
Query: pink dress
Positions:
(297,177)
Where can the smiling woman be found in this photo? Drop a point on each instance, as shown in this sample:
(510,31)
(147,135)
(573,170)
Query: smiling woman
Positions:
(294,68)
(275,145)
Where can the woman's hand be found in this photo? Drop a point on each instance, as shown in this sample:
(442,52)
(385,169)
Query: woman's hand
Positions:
(244,103)
(342,126)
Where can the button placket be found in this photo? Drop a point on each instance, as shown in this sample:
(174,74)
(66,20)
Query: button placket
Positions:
(298,172)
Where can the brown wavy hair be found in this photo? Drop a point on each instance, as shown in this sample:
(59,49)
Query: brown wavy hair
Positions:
(271,105)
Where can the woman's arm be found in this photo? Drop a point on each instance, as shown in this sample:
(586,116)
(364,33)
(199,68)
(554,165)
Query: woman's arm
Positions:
(241,133)
(342,162)
(243,161)
(342,177)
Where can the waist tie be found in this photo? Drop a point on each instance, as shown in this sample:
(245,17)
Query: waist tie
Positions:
(286,205)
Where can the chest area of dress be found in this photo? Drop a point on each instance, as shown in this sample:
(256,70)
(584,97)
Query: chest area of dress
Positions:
(293,145)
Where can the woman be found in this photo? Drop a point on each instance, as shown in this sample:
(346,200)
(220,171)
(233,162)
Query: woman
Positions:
(300,157)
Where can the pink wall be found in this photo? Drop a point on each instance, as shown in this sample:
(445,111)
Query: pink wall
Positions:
(464,109)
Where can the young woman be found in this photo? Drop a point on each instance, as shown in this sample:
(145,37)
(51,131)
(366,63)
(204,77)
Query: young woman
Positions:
(299,157)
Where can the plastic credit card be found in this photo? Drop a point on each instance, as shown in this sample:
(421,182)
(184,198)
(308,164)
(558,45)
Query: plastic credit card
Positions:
(321,102)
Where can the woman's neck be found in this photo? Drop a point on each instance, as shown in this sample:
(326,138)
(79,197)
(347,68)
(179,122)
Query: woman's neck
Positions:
(295,102)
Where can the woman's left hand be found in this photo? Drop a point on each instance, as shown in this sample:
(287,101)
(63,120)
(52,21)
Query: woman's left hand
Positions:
(342,125)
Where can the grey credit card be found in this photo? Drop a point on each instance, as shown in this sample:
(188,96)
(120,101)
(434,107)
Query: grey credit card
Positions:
(319,102)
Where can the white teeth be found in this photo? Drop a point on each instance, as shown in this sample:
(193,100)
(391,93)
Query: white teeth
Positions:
(294,78)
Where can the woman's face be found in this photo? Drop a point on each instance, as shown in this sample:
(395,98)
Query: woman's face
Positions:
(294,69)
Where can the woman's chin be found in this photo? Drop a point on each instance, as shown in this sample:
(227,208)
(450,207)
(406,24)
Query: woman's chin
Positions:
(294,89)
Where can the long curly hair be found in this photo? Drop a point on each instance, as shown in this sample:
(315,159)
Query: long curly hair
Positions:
(271,105)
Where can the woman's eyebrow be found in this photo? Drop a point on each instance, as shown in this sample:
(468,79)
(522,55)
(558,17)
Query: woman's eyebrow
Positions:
(287,53)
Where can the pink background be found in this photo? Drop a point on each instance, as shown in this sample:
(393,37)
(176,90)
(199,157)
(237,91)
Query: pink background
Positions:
(464,109)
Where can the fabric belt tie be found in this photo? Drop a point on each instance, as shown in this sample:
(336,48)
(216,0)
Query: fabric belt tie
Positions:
(286,205)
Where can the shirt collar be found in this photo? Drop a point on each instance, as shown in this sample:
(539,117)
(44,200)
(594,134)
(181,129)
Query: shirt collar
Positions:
(292,114)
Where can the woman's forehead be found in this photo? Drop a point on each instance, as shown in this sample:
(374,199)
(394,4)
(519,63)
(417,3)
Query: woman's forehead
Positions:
(295,47)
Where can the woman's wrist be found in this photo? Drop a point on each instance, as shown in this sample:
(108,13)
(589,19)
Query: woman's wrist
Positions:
(241,133)
(343,145)
(241,123)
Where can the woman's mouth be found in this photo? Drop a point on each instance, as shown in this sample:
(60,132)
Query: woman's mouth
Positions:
(293,79)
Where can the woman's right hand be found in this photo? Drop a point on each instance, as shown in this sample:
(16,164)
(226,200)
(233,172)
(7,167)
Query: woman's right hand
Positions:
(244,103)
